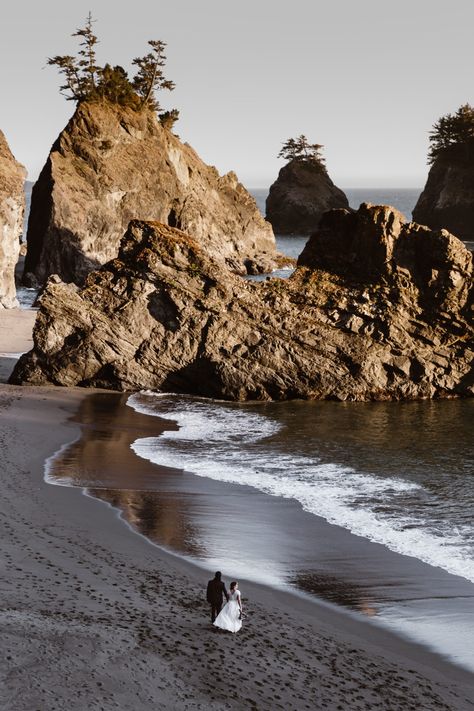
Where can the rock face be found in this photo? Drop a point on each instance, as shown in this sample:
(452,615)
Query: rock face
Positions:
(112,164)
(12,206)
(299,197)
(392,319)
(447,200)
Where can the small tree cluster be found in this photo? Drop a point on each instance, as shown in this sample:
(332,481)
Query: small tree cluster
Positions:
(451,130)
(85,80)
(300,149)
(169,118)
(149,77)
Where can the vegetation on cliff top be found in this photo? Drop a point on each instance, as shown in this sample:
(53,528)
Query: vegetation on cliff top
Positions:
(452,130)
(85,80)
(300,149)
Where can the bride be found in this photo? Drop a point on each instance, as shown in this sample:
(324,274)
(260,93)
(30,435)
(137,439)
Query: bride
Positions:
(230,617)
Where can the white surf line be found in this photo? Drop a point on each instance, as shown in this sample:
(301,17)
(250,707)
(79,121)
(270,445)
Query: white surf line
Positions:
(324,490)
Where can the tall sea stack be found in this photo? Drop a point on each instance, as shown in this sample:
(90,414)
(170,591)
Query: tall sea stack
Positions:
(299,197)
(447,200)
(12,207)
(112,164)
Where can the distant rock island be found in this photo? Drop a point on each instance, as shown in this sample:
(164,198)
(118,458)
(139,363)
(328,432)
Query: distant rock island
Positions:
(303,191)
(12,206)
(447,200)
(112,164)
(377,309)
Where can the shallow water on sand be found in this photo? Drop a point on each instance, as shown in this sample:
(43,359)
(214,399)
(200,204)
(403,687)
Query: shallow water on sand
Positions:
(366,505)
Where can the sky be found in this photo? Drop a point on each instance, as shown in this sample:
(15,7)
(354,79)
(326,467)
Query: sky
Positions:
(365,78)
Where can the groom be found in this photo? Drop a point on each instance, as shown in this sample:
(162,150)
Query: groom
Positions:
(215,593)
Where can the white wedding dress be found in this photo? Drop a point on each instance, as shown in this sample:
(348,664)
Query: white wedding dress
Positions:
(229,617)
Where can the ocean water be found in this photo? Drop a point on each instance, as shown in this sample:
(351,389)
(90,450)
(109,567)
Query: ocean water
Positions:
(366,505)
(403,199)
(26,297)
(398,475)
(401,475)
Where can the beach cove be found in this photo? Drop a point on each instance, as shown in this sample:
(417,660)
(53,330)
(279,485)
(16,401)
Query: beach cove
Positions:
(237,335)
(95,616)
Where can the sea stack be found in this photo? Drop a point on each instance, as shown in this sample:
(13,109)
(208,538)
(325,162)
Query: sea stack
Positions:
(377,309)
(447,200)
(112,164)
(12,207)
(303,191)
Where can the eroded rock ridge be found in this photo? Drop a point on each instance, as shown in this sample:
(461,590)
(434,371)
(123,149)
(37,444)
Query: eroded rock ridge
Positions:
(377,309)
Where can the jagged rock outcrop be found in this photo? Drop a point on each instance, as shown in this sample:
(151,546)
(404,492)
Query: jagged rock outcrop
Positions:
(299,197)
(112,164)
(447,200)
(385,313)
(12,206)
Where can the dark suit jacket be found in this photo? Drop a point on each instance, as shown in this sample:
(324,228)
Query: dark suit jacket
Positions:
(216,591)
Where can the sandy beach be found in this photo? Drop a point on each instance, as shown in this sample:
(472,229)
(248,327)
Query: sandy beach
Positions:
(93,616)
(16,326)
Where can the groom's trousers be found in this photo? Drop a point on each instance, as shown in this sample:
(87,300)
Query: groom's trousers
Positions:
(216,607)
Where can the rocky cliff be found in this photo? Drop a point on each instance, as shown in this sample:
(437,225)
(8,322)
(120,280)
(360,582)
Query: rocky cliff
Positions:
(112,164)
(447,200)
(392,319)
(12,206)
(302,193)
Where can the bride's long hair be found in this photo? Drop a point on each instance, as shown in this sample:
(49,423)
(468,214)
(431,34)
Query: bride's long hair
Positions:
(233,585)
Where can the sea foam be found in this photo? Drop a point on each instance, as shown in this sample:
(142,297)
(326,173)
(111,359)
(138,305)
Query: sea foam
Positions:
(232,444)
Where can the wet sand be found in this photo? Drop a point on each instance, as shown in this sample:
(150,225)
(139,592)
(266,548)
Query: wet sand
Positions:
(249,534)
(87,601)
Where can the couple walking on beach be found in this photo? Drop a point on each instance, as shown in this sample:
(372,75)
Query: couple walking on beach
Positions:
(228,617)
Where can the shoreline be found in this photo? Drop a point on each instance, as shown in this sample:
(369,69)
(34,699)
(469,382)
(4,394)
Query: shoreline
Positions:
(250,534)
(127,622)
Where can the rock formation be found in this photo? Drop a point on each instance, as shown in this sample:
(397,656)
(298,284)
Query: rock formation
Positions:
(447,200)
(112,164)
(377,309)
(12,206)
(299,197)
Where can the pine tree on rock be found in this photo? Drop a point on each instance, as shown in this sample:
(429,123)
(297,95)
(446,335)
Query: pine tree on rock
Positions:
(149,78)
(452,130)
(86,60)
(303,191)
(300,149)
